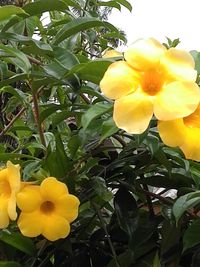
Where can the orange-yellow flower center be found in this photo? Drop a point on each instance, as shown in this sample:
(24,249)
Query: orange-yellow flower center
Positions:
(47,207)
(5,190)
(152,82)
(193,120)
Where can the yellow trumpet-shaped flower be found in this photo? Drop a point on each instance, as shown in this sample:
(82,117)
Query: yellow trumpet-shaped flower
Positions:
(151,80)
(47,209)
(184,133)
(9,187)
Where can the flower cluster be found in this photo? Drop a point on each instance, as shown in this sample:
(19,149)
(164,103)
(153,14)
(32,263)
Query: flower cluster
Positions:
(46,209)
(154,80)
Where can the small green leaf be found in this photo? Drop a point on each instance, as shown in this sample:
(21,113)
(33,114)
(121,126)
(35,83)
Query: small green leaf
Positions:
(94,112)
(125,3)
(110,4)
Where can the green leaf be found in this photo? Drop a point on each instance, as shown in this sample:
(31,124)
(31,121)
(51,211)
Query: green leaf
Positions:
(192,235)
(9,264)
(7,11)
(91,71)
(18,241)
(126,210)
(125,4)
(196,56)
(17,58)
(108,128)
(110,4)
(39,7)
(184,203)
(94,112)
(156,261)
(80,24)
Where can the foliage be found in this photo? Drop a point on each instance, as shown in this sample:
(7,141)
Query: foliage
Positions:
(55,122)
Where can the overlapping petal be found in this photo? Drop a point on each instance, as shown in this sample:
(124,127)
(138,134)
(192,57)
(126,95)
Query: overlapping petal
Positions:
(30,223)
(119,80)
(52,189)
(144,54)
(133,113)
(55,227)
(179,65)
(184,133)
(176,100)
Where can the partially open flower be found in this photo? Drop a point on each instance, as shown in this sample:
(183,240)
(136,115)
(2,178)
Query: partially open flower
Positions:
(9,187)
(183,133)
(47,209)
(152,80)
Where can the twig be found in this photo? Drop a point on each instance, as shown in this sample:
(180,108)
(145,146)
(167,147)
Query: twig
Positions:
(34,60)
(8,126)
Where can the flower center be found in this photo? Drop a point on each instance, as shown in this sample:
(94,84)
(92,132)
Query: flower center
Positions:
(152,82)
(5,189)
(193,120)
(47,207)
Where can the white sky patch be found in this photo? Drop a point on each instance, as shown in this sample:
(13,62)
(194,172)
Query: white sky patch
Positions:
(161,18)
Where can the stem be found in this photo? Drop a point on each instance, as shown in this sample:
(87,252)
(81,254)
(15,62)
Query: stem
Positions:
(107,235)
(7,128)
(36,116)
(149,202)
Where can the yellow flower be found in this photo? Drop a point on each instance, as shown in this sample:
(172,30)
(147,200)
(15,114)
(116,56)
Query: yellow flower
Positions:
(9,187)
(47,209)
(111,53)
(184,133)
(152,80)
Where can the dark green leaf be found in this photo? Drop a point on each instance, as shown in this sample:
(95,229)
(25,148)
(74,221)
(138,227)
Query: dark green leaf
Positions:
(192,235)
(19,242)
(9,264)
(108,128)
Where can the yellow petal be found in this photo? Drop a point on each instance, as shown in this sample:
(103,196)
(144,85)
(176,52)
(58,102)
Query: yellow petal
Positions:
(119,80)
(144,54)
(191,147)
(67,207)
(179,65)
(51,189)
(31,224)
(13,176)
(12,207)
(111,53)
(55,227)
(3,174)
(172,132)
(4,219)
(133,113)
(176,100)
(29,198)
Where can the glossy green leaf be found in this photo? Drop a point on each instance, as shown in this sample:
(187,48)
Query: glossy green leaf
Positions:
(94,112)
(184,203)
(92,71)
(17,58)
(125,3)
(80,24)
(109,4)
(108,128)
(19,242)
(7,11)
(39,7)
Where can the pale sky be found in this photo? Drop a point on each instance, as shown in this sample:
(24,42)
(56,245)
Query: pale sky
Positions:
(160,18)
